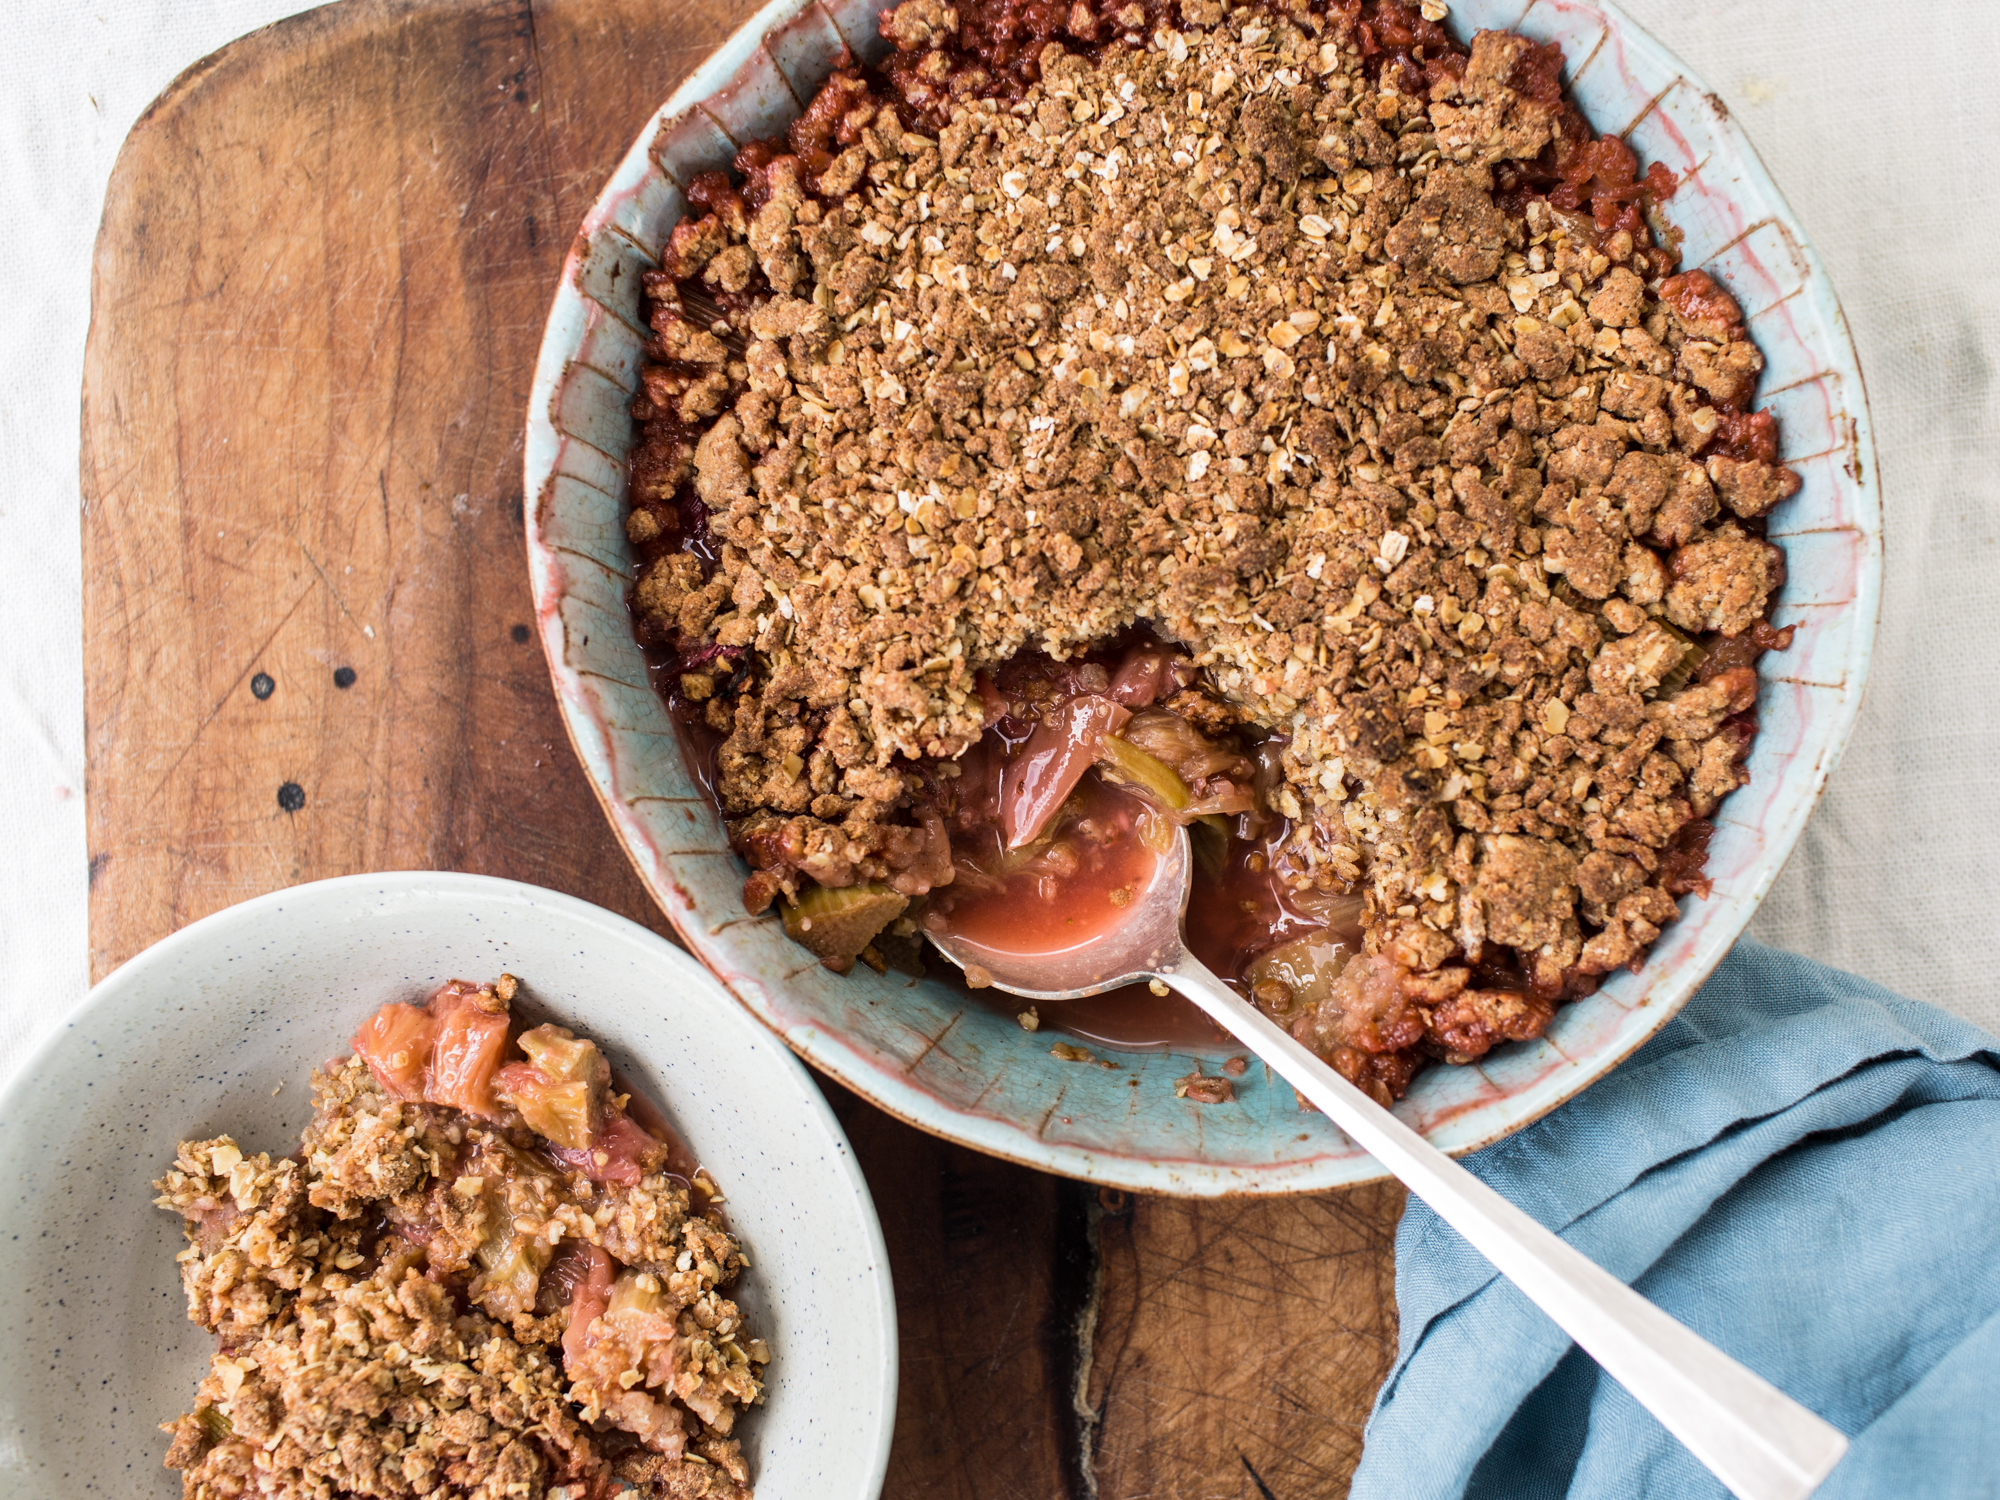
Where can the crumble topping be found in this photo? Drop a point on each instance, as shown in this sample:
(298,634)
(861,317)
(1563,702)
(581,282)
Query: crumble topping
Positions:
(1217,335)
(424,1302)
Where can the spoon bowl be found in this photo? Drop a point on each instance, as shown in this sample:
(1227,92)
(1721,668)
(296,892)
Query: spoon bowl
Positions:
(1759,1442)
(1146,943)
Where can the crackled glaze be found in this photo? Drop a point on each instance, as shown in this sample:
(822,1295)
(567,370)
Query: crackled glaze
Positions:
(971,1074)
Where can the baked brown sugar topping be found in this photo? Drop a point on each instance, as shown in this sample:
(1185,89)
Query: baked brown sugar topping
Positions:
(1332,357)
(477,1278)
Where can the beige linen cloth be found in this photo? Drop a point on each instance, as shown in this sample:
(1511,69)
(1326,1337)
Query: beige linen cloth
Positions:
(1877,118)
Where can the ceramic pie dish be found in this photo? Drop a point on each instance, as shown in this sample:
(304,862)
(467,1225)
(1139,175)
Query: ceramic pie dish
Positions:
(915,1047)
(215,1030)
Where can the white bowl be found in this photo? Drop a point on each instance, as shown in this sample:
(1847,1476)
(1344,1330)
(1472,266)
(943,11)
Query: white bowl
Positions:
(215,1029)
(968,1072)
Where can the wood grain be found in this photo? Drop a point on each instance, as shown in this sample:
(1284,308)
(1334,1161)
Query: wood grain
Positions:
(325,261)
(1238,1345)
(317,297)
(992,1275)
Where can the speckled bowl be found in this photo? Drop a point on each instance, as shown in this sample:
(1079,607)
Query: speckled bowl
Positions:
(915,1048)
(216,1028)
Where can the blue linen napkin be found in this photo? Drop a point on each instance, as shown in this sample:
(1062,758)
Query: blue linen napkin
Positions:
(1804,1169)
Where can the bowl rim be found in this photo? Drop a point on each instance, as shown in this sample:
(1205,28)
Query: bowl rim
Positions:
(115,988)
(898,1095)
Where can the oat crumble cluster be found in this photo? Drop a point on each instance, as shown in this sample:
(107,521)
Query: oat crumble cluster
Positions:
(422,1302)
(1299,361)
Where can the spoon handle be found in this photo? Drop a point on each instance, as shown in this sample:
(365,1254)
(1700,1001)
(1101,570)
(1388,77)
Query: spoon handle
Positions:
(1753,1437)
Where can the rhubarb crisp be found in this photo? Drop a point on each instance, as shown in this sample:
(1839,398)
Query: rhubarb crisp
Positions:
(485,1273)
(1285,420)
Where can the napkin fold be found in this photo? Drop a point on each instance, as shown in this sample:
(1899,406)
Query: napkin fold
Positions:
(1802,1167)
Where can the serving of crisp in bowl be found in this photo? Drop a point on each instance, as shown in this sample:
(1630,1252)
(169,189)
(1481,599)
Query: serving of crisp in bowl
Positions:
(1428,463)
(418,1179)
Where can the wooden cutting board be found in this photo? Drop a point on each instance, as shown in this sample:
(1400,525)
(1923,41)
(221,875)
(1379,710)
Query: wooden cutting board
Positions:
(326,256)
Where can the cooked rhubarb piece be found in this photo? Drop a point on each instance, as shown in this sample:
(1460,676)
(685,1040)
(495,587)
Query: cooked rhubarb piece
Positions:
(590,1289)
(471,1039)
(560,1090)
(567,1113)
(1175,742)
(1297,976)
(396,1044)
(1149,673)
(621,1152)
(442,1052)
(565,1057)
(1060,750)
(510,1270)
(1146,774)
(838,923)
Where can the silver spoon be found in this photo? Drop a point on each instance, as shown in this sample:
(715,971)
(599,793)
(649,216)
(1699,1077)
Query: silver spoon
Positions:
(1753,1437)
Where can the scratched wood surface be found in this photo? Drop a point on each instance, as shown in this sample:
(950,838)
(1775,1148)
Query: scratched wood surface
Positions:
(320,282)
